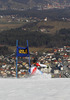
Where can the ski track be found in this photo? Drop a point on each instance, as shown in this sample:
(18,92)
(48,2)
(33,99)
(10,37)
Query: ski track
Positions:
(38,87)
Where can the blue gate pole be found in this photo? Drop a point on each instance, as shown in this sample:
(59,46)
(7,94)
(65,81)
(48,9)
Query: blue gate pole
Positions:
(16,59)
(28,54)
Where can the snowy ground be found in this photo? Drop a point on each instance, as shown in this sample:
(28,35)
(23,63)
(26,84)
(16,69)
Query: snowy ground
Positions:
(39,87)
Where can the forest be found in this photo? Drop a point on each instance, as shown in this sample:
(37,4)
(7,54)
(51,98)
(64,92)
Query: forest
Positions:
(36,39)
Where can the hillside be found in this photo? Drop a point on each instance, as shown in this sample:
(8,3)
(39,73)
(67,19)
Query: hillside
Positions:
(29,4)
(37,31)
(35,38)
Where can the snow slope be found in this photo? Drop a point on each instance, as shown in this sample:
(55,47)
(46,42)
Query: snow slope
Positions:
(39,87)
